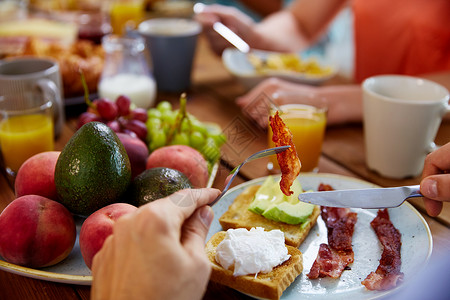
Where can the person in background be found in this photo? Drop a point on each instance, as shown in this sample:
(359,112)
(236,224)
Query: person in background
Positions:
(256,9)
(157,252)
(410,37)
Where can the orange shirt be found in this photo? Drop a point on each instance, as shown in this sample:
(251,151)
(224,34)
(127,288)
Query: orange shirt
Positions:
(408,37)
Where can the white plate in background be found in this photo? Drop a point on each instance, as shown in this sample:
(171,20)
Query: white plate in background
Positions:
(238,64)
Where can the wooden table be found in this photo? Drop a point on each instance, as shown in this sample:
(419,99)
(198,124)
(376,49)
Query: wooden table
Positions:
(211,98)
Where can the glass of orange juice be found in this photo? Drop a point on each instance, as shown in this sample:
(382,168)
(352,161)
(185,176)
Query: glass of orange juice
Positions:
(307,124)
(126,14)
(26,128)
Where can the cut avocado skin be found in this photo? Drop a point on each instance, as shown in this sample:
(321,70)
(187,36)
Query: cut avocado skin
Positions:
(93,170)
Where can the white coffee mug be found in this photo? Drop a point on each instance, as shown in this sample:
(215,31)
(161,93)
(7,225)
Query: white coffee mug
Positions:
(402,115)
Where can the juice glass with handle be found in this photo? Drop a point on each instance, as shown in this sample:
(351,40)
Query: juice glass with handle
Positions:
(26,128)
(307,123)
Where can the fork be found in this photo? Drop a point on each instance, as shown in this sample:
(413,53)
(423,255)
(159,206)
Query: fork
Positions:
(225,32)
(235,171)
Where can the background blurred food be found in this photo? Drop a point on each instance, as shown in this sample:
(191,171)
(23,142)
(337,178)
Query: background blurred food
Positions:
(80,55)
(288,62)
(58,40)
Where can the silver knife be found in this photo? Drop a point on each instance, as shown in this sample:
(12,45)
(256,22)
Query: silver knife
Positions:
(362,198)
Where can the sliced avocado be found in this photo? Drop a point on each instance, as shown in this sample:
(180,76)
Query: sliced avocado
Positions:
(269,193)
(289,213)
(297,189)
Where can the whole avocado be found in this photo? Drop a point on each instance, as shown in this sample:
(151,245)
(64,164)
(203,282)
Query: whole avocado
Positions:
(155,183)
(93,170)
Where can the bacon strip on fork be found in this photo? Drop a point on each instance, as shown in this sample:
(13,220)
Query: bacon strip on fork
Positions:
(333,258)
(288,160)
(388,273)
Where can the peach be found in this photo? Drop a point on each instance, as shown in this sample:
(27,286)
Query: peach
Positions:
(98,226)
(36,176)
(137,152)
(36,232)
(183,158)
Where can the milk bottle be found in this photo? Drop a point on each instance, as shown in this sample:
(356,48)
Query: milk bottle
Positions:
(126,71)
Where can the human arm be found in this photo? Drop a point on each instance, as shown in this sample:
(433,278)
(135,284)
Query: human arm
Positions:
(344,102)
(263,7)
(290,29)
(157,252)
(436,180)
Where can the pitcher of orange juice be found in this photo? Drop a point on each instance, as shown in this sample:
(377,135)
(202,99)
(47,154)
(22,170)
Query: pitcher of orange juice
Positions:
(307,124)
(26,128)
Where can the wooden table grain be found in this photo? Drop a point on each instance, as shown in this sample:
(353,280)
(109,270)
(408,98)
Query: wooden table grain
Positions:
(212,99)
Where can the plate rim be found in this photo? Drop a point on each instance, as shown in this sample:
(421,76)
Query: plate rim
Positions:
(45,275)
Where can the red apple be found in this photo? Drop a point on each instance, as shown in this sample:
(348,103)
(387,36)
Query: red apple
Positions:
(183,158)
(98,226)
(36,176)
(137,152)
(36,232)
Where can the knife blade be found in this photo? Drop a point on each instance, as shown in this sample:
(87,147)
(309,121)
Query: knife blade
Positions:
(362,198)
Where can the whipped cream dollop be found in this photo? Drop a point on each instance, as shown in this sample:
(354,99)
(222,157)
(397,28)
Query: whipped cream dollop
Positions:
(252,251)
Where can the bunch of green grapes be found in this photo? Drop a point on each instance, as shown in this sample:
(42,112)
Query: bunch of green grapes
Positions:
(166,126)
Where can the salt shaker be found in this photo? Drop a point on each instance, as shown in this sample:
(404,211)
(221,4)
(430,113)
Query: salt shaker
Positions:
(126,71)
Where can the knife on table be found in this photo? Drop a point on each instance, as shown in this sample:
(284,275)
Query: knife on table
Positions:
(362,198)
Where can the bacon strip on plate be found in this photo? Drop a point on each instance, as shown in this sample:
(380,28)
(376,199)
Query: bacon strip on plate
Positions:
(333,258)
(288,160)
(388,273)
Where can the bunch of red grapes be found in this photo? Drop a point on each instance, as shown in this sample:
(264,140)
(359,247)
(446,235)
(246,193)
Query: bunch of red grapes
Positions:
(117,115)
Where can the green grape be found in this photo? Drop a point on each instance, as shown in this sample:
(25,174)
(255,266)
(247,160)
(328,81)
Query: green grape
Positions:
(213,129)
(180,139)
(149,138)
(169,117)
(210,150)
(158,140)
(153,124)
(164,106)
(199,126)
(196,140)
(220,139)
(154,113)
(186,125)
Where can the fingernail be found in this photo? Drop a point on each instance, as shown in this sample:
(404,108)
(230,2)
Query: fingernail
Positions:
(431,189)
(206,215)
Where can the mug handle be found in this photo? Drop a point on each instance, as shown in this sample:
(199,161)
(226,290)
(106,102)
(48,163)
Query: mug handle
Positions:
(51,91)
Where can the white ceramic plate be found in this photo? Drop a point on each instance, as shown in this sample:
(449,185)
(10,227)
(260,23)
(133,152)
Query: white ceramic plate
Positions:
(416,243)
(71,270)
(237,64)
